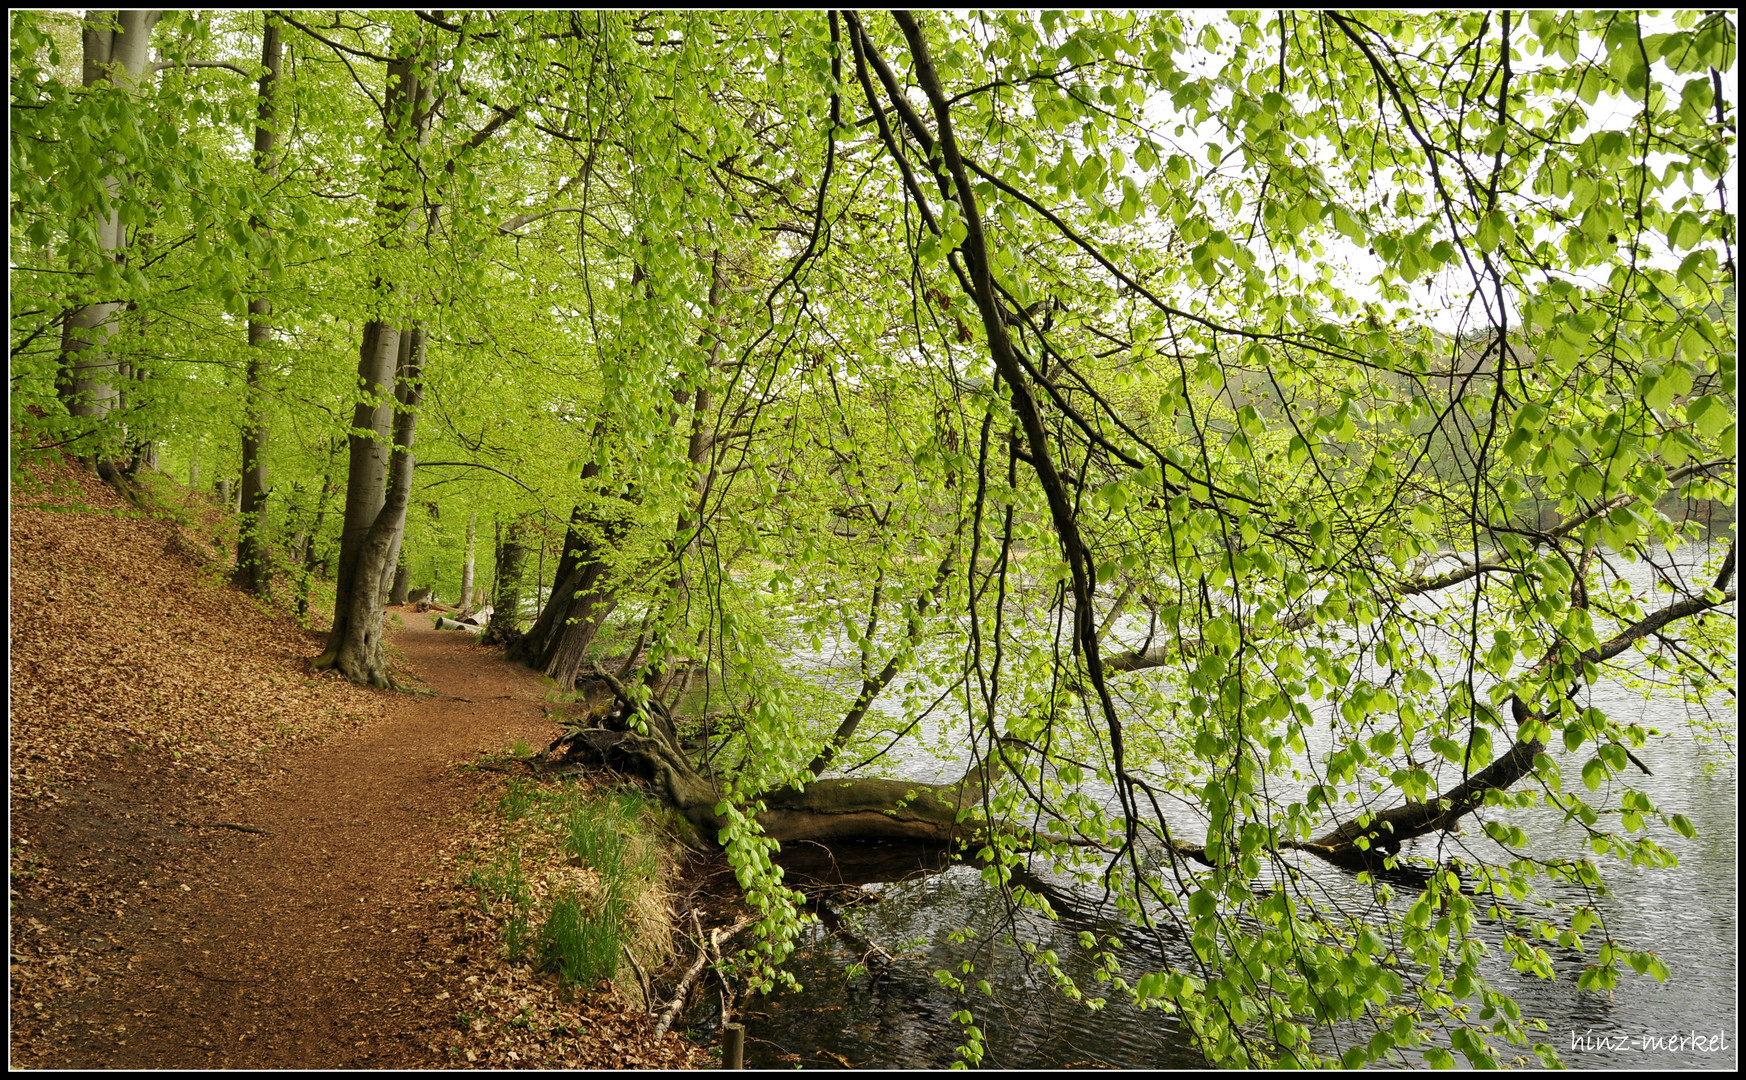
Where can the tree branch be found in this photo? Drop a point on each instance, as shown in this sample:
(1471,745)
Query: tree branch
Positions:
(166,65)
(362,54)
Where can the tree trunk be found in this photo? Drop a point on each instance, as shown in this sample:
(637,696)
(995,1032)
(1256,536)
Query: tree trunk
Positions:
(571,615)
(401,403)
(584,593)
(370,536)
(365,476)
(356,645)
(402,583)
(391,565)
(467,568)
(252,573)
(834,809)
(309,564)
(117,46)
(860,810)
(141,449)
(509,567)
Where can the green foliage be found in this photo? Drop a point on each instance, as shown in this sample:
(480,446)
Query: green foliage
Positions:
(504,894)
(1315,308)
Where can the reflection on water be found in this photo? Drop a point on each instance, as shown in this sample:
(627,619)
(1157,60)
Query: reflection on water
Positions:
(895,1014)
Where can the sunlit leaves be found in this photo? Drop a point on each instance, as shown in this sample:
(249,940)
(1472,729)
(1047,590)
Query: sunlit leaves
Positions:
(1359,394)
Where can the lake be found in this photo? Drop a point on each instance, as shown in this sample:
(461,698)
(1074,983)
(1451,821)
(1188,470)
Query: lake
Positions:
(894,1014)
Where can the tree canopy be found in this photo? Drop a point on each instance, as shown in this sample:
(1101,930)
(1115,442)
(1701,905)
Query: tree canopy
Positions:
(1228,434)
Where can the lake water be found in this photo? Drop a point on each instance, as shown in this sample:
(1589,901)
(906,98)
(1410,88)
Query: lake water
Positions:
(896,1015)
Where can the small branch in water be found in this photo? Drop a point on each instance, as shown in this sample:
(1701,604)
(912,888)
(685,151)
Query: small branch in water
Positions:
(713,939)
(678,1002)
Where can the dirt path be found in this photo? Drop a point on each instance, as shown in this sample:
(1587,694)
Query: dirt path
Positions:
(311,945)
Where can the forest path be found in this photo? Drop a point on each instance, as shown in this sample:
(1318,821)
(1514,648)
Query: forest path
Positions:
(311,945)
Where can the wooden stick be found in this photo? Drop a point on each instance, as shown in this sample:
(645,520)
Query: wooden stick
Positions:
(678,1002)
(642,979)
(231,825)
(711,942)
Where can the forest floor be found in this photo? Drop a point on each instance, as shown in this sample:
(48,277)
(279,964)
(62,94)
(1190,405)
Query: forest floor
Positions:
(220,860)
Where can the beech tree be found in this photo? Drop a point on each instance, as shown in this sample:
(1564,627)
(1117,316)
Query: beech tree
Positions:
(251,571)
(1219,439)
(116,46)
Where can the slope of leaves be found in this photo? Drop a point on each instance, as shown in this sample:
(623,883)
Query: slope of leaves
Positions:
(121,639)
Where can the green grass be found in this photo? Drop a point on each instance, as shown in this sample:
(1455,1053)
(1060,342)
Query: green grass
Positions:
(503,893)
(520,797)
(580,938)
(580,946)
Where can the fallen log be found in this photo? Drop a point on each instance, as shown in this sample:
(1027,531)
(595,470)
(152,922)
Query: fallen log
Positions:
(833,809)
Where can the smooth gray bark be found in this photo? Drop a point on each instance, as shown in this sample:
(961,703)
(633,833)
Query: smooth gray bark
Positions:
(117,45)
(402,583)
(508,568)
(357,643)
(365,474)
(252,572)
(389,374)
(467,567)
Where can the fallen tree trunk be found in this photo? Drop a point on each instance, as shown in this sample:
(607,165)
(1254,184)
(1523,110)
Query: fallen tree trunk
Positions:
(1354,847)
(683,990)
(835,809)
(864,810)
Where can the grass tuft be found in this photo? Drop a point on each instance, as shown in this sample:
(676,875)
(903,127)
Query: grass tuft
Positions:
(579,946)
(586,869)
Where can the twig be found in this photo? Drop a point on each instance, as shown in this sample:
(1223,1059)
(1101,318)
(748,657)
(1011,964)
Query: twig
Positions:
(229,825)
(222,979)
(642,978)
(727,992)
